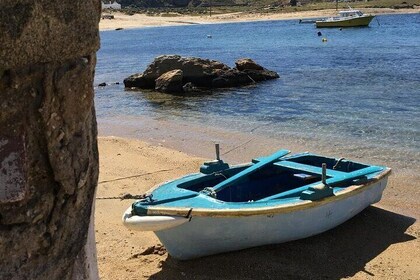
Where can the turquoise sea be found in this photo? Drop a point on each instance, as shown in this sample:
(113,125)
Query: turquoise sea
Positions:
(360,89)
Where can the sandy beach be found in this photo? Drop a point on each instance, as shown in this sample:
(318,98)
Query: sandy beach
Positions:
(141,20)
(380,243)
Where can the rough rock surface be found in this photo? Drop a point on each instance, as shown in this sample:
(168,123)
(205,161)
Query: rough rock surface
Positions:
(48,135)
(231,78)
(139,81)
(39,31)
(261,75)
(199,73)
(196,70)
(255,71)
(189,87)
(170,81)
(247,63)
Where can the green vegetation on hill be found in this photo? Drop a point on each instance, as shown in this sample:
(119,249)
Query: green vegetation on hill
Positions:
(261,6)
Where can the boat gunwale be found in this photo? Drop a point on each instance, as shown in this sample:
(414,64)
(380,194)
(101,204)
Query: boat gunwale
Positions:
(269,210)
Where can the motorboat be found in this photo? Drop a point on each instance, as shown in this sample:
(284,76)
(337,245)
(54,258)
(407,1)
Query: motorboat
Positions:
(346,18)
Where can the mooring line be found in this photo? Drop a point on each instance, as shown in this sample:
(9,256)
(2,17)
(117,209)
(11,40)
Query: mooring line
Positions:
(135,176)
(234,148)
(125,196)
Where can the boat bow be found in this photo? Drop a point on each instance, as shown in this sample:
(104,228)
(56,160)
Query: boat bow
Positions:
(151,223)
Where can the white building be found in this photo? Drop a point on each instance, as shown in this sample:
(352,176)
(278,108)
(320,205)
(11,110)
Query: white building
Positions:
(111,5)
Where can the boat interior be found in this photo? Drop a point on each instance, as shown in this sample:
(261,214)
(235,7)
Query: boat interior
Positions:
(350,13)
(284,178)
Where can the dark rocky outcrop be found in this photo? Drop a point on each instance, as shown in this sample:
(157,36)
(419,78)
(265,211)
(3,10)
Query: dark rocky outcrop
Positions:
(261,75)
(255,71)
(176,74)
(247,64)
(232,78)
(139,81)
(189,87)
(170,82)
(198,71)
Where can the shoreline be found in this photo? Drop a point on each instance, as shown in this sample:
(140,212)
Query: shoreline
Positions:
(197,140)
(143,21)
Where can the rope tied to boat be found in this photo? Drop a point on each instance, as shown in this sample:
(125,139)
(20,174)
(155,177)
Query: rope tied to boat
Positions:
(147,198)
(125,196)
(350,163)
(338,162)
(209,191)
(220,174)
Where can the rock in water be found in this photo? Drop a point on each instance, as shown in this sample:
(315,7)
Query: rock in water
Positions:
(167,73)
(139,81)
(261,75)
(255,71)
(247,64)
(232,78)
(170,82)
(189,87)
(198,71)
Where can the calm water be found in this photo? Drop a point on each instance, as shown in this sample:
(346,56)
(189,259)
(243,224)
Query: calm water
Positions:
(359,89)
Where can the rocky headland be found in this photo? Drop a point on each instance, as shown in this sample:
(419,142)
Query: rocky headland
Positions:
(176,74)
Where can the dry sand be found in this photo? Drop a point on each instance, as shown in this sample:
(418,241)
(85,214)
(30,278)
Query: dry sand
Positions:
(141,20)
(379,243)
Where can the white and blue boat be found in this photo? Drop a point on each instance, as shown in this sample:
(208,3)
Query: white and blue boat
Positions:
(273,199)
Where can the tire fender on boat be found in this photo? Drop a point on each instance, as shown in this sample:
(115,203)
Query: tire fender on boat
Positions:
(151,223)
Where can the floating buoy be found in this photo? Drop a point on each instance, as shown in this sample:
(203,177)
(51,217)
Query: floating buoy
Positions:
(324,40)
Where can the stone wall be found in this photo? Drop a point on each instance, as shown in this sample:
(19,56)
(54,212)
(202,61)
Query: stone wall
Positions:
(48,148)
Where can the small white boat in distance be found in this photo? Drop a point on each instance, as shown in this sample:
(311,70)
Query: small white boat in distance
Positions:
(347,18)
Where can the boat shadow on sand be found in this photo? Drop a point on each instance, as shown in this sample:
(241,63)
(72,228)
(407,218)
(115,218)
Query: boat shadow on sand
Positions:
(337,253)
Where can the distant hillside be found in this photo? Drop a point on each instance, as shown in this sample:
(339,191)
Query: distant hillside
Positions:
(260,5)
(180,3)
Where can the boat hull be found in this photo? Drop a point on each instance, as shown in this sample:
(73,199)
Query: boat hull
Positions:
(352,22)
(203,235)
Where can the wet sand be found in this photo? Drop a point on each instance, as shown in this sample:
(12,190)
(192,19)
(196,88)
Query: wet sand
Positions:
(141,20)
(379,243)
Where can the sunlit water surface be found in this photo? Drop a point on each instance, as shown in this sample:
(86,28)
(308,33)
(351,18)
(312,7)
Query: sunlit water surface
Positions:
(360,89)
